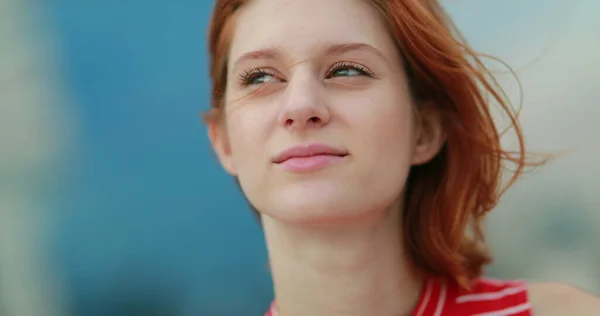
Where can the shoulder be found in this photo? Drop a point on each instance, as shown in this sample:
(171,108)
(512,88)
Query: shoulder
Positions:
(548,299)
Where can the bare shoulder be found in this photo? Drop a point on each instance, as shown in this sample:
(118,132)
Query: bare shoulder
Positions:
(549,299)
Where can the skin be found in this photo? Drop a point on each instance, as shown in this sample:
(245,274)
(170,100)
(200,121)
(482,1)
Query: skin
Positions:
(337,80)
(555,299)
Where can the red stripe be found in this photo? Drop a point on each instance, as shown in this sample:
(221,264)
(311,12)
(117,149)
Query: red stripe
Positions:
(487,298)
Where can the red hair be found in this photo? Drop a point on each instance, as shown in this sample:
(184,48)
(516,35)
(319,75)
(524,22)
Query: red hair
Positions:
(446,198)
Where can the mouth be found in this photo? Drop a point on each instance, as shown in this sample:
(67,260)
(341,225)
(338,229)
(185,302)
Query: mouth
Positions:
(309,151)
(307,158)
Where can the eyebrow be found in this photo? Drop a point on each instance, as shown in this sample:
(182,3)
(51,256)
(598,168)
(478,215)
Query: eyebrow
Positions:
(340,49)
(262,54)
(336,49)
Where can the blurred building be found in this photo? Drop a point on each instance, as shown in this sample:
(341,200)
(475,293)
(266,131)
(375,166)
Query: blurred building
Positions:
(30,147)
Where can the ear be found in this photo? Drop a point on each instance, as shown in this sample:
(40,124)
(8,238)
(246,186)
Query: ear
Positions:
(217,133)
(429,134)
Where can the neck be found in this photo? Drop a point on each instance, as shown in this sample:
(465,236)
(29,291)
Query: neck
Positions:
(359,270)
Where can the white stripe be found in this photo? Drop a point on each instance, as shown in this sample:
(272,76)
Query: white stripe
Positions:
(489,296)
(508,311)
(441,301)
(428,286)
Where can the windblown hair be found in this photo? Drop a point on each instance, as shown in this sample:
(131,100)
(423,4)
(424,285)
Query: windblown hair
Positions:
(448,197)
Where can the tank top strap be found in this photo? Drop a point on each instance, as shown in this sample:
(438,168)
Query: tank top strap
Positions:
(434,297)
(272,310)
(488,297)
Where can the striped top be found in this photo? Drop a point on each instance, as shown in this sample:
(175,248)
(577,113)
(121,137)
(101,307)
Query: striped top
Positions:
(488,297)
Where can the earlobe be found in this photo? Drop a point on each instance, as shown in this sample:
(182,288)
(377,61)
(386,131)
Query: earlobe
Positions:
(220,144)
(430,136)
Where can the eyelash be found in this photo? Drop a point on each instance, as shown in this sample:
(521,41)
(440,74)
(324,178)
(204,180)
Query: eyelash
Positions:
(247,76)
(364,71)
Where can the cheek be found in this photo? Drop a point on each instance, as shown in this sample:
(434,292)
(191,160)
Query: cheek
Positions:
(395,131)
(386,129)
(246,144)
(248,134)
(386,145)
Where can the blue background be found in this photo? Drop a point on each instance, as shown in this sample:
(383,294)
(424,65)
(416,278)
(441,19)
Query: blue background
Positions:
(150,218)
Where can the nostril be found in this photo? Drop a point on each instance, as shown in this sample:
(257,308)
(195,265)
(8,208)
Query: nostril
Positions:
(315,120)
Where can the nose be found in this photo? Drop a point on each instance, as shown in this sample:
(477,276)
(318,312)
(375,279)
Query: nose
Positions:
(304,104)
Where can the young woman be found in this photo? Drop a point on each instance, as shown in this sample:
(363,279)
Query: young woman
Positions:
(361,132)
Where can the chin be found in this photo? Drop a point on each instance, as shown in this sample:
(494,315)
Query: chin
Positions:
(318,204)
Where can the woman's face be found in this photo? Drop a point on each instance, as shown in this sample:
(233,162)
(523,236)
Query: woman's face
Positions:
(319,123)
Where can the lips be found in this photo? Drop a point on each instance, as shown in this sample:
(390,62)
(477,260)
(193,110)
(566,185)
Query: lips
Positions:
(310,150)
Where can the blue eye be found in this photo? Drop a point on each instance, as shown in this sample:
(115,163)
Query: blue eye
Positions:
(260,78)
(255,77)
(344,72)
(347,69)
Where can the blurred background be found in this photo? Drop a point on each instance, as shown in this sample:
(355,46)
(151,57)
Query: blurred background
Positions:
(111,202)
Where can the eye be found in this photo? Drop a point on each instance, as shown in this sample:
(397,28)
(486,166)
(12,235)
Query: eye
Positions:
(256,76)
(348,69)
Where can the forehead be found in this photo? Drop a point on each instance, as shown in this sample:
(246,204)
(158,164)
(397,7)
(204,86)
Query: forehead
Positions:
(299,26)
